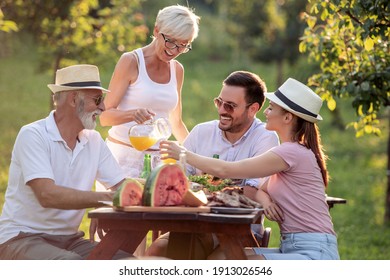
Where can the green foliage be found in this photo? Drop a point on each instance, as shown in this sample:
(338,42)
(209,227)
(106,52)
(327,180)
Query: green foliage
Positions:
(350,39)
(7,25)
(84,31)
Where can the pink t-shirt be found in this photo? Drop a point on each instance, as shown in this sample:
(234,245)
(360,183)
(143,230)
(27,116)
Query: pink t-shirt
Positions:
(300,192)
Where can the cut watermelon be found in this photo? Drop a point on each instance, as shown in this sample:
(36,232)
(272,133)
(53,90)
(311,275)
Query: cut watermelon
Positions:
(129,193)
(166,186)
(195,198)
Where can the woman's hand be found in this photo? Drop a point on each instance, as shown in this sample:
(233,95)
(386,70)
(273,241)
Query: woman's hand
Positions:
(170,149)
(273,212)
(142,115)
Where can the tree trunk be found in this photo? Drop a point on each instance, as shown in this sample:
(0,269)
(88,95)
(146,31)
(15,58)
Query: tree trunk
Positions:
(279,73)
(56,66)
(387,205)
(337,120)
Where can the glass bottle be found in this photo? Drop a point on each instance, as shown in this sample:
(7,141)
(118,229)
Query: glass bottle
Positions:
(214,177)
(147,167)
(183,160)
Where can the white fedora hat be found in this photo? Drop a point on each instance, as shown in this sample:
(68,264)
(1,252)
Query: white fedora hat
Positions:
(83,76)
(298,99)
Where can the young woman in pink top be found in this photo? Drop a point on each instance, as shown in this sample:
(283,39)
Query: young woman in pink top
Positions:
(295,194)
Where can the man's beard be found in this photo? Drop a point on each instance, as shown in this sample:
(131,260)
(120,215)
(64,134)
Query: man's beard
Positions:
(237,124)
(87,118)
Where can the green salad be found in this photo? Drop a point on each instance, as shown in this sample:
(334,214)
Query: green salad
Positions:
(210,182)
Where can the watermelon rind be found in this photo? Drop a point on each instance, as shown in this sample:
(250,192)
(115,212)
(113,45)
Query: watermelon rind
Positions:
(116,201)
(195,198)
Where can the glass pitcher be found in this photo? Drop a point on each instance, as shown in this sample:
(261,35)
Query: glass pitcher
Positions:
(145,135)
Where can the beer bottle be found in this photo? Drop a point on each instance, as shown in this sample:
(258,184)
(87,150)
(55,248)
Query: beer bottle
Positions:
(214,177)
(147,167)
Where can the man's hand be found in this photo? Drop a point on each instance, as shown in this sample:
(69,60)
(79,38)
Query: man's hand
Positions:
(94,228)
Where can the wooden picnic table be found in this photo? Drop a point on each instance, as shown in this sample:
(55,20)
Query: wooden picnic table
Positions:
(125,230)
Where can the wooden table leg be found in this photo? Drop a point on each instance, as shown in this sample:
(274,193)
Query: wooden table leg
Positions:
(113,241)
(180,245)
(232,247)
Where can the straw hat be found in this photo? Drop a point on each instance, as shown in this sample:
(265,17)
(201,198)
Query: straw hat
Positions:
(298,99)
(76,77)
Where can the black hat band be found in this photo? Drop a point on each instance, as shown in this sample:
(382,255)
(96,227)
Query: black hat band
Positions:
(83,84)
(293,105)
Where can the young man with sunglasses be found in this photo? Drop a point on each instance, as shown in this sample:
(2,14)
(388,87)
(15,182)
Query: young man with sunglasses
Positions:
(237,135)
(54,164)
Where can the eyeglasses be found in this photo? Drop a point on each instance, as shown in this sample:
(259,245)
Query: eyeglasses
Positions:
(171,45)
(98,100)
(228,106)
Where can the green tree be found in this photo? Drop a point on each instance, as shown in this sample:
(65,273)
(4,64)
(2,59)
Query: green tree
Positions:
(7,25)
(266,31)
(80,31)
(350,40)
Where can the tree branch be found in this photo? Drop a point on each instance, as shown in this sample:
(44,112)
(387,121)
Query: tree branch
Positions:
(353,17)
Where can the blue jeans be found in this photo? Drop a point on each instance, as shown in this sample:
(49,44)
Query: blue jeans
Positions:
(303,246)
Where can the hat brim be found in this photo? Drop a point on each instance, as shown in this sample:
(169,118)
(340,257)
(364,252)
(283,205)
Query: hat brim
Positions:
(56,88)
(272,97)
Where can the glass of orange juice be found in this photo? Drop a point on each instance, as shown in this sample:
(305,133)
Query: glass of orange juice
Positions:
(168,160)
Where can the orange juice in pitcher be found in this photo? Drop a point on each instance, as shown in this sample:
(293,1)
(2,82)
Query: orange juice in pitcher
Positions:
(142,143)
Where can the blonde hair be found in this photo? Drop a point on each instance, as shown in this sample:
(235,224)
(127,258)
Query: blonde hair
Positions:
(179,22)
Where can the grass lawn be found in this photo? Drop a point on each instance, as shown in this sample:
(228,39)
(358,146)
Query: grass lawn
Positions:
(357,166)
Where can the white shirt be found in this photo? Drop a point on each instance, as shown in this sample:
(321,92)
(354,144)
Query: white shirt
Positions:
(207,139)
(40,152)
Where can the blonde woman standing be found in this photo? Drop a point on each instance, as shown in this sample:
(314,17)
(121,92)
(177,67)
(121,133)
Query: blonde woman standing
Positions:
(146,83)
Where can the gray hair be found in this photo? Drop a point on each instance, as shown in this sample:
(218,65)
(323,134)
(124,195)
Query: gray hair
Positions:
(179,22)
(59,98)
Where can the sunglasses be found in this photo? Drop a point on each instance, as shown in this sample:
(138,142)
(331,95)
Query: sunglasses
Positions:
(98,100)
(228,106)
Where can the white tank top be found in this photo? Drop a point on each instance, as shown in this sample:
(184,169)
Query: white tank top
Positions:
(145,93)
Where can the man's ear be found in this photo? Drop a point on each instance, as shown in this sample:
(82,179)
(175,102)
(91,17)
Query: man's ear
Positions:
(254,108)
(72,98)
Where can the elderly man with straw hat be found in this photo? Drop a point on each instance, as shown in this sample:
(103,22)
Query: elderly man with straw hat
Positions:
(54,164)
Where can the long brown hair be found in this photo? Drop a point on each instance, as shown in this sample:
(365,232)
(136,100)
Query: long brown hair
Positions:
(308,134)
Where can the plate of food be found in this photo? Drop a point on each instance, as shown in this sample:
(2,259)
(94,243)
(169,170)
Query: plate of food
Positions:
(232,210)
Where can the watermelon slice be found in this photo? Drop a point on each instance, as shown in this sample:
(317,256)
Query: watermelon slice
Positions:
(129,193)
(166,186)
